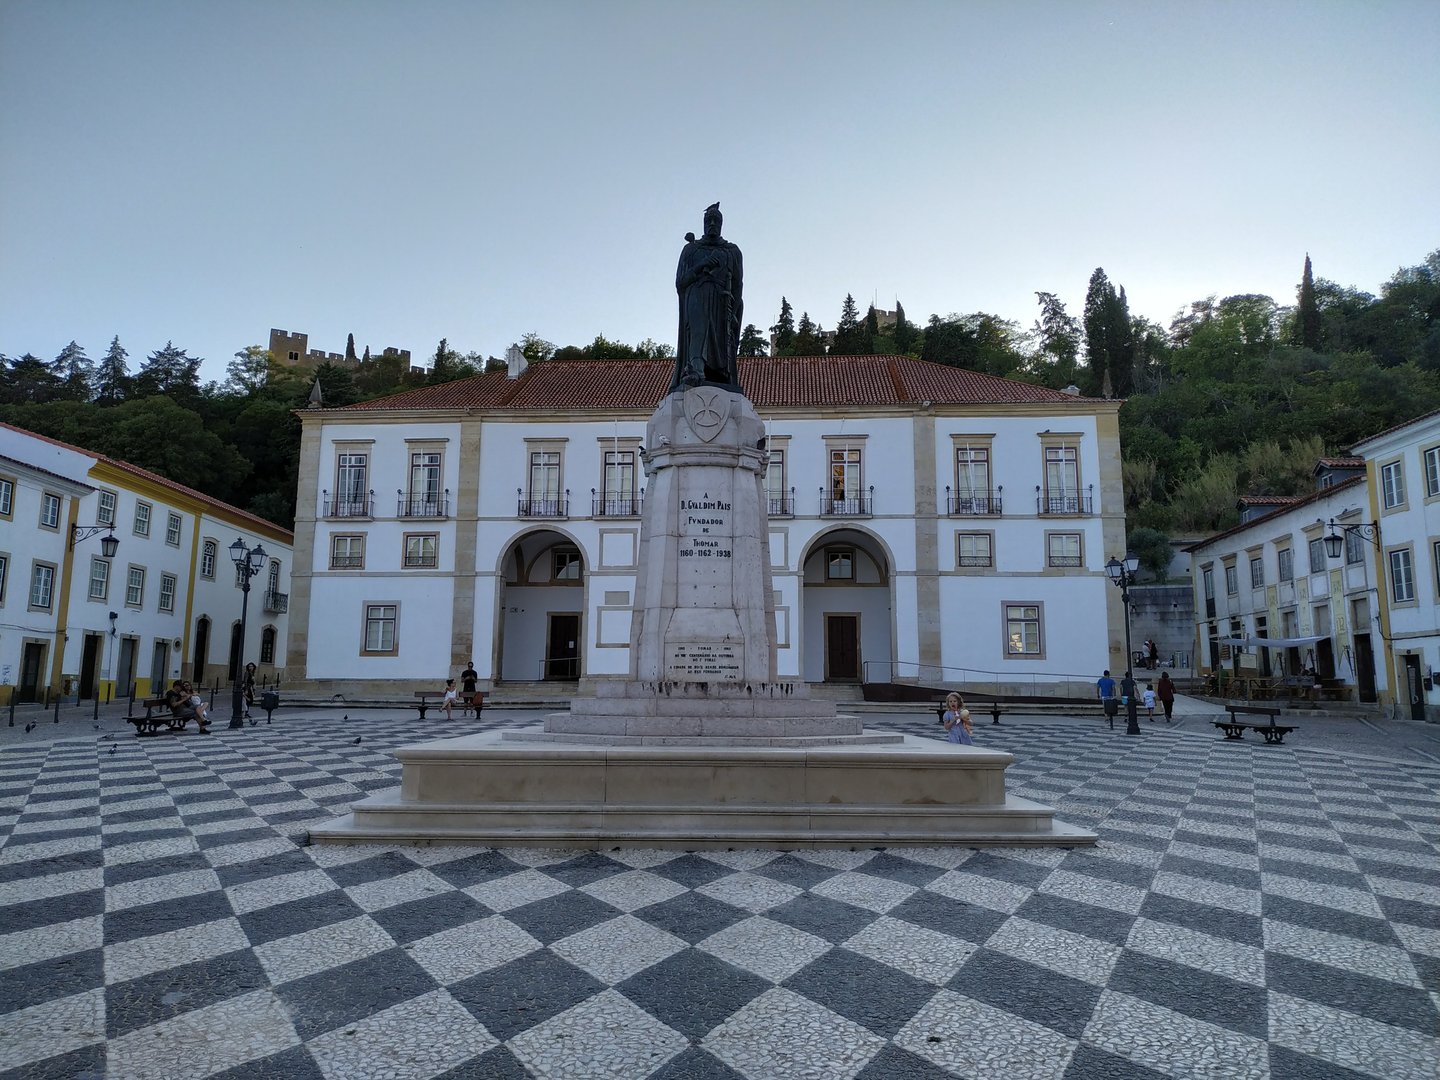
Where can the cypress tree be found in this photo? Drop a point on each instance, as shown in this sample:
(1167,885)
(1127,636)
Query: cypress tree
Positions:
(783,332)
(350,349)
(904,332)
(1307,314)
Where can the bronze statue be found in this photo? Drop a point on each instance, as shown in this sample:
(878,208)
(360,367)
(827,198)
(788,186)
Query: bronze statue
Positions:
(709,280)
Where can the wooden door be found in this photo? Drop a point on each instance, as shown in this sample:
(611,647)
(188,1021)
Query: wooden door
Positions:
(842,648)
(562,647)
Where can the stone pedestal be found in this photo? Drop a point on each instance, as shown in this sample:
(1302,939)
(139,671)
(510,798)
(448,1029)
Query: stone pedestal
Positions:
(703,746)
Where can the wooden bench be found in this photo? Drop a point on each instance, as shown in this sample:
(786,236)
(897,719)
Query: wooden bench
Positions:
(152,722)
(1235,729)
(430,699)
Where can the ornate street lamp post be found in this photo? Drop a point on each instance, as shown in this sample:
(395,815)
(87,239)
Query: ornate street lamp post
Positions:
(1335,543)
(248,563)
(1122,574)
(109,544)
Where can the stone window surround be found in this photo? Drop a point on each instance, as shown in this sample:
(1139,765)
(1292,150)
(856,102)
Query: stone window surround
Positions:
(1393,468)
(1051,535)
(173,582)
(1232,577)
(845,442)
(101,515)
(174,525)
(1430,472)
(1054,440)
(1005,606)
(97,563)
(418,539)
(832,555)
(366,607)
(1257,563)
(545,445)
(7,496)
(976,441)
(1407,554)
(139,601)
(48,499)
(144,511)
(347,536)
(4,575)
(623,444)
(209,551)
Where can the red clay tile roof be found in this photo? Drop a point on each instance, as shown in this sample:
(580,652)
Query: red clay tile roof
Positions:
(799,381)
(1288,503)
(156,478)
(1340,463)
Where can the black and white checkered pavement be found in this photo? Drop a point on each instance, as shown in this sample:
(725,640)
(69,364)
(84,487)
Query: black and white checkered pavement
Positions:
(1251,911)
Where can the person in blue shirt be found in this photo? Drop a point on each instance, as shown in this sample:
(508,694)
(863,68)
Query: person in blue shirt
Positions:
(1106,685)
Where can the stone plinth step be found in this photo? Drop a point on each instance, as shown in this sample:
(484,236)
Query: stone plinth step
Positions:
(490,789)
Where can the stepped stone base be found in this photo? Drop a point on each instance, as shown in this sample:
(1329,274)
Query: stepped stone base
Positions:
(492,790)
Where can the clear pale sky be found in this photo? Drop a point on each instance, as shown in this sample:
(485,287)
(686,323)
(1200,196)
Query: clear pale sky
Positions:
(200,172)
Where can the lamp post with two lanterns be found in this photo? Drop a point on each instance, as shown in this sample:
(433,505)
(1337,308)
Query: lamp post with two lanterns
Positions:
(1122,575)
(248,563)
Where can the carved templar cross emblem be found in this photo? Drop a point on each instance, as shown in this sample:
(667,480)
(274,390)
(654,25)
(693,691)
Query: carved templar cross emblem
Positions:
(707,409)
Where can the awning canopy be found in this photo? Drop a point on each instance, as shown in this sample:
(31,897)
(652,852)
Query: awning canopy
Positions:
(1273,642)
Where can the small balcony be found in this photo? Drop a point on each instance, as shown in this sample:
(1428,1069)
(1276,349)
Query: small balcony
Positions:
(347,562)
(276,603)
(1062,505)
(968,503)
(546,505)
(780,503)
(420,560)
(851,504)
(616,504)
(1066,562)
(422,504)
(358,504)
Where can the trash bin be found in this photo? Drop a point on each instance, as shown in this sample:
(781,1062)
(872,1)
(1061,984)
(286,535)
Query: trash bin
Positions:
(269,701)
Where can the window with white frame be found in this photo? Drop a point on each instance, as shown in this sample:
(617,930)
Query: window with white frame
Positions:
(777,492)
(543,499)
(267,645)
(167,592)
(99,578)
(381,625)
(422,551)
(1207,576)
(347,552)
(172,529)
(1392,485)
(1257,572)
(50,510)
(617,485)
(1023,636)
(142,519)
(273,581)
(424,499)
(972,478)
(352,484)
(7,497)
(4,575)
(1062,549)
(845,494)
(208,550)
(105,508)
(1431,458)
(1232,580)
(135,586)
(1317,555)
(1402,576)
(1062,479)
(974,549)
(42,586)
(840,564)
(1285,560)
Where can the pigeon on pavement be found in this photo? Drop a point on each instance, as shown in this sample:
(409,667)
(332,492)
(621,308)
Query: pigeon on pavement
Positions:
(357,739)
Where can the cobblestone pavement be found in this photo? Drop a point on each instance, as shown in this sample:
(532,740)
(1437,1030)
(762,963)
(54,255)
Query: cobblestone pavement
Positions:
(1251,911)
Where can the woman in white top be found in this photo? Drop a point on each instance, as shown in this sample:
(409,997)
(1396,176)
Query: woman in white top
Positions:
(450,700)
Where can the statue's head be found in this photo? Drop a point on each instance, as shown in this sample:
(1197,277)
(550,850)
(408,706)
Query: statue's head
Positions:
(712,219)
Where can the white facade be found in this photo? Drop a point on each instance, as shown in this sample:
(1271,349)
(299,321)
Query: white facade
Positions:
(930,540)
(1403,471)
(166,606)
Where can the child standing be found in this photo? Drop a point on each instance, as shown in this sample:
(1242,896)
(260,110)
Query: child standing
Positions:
(1149,698)
(957,720)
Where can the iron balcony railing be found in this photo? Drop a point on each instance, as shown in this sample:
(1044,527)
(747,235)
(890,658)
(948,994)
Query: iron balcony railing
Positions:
(346,562)
(966,502)
(616,503)
(780,503)
(422,504)
(276,603)
(354,505)
(975,560)
(1066,560)
(421,561)
(850,505)
(1062,504)
(543,506)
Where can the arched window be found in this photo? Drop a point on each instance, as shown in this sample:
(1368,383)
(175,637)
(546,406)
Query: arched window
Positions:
(207,560)
(267,645)
(274,575)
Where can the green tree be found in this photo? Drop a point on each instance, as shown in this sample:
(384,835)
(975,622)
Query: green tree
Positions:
(904,331)
(807,337)
(1059,335)
(870,332)
(248,371)
(752,343)
(350,348)
(112,379)
(28,378)
(535,348)
(76,373)
(1307,311)
(849,339)
(1152,548)
(172,373)
(1108,344)
(783,332)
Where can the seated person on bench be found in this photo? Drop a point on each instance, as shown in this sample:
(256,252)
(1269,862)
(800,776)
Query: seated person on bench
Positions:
(185,704)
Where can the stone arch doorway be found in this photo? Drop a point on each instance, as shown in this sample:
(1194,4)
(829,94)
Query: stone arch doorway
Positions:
(846,606)
(541,628)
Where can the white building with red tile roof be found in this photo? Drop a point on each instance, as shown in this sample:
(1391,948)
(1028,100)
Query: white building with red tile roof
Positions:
(926,522)
(164,606)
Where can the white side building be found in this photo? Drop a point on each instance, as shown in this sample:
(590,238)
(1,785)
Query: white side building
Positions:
(1403,470)
(166,605)
(926,523)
